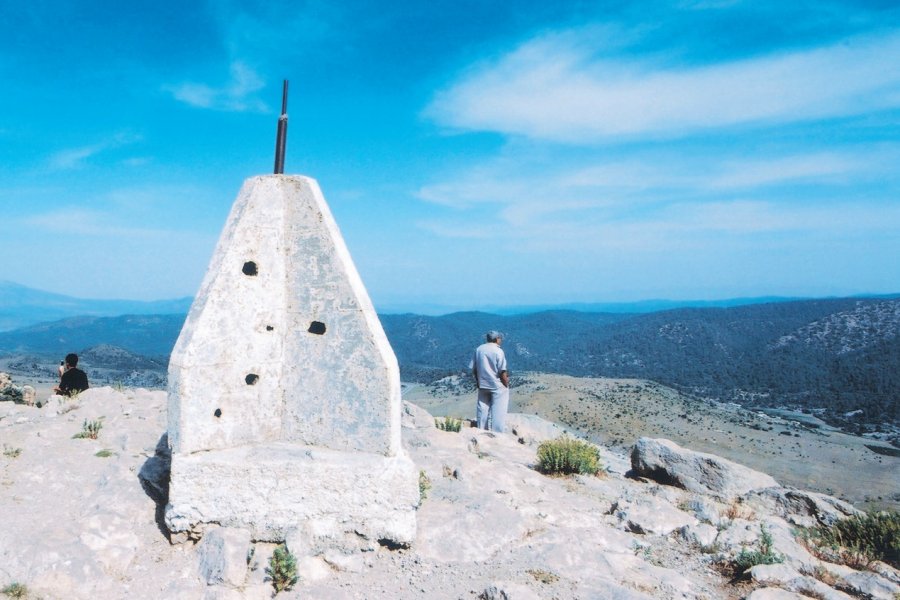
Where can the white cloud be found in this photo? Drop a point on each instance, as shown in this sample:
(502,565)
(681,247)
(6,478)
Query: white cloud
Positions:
(86,222)
(563,88)
(236,95)
(75,158)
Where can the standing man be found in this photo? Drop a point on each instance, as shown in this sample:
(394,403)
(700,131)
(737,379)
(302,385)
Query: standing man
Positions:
(492,378)
(73,380)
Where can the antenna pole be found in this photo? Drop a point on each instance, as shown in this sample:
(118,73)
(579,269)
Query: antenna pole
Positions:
(281,136)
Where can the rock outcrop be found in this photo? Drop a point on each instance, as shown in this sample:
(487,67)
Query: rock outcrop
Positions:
(13,393)
(668,463)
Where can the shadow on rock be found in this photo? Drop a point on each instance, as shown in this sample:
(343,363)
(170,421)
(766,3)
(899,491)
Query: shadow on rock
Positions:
(154,478)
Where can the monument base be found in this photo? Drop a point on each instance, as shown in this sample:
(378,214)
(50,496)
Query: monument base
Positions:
(279,488)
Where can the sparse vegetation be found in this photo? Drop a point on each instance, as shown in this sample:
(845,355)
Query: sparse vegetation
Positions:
(15,590)
(763,555)
(89,430)
(543,576)
(11,452)
(282,569)
(737,510)
(424,485)
(13,393)
(449,424)
(858,541)
(105,453)
(567,456)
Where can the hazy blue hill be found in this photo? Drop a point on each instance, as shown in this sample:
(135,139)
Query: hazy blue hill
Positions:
(839,354)
(430,347)
(21,306)
(148,335)
(842,355)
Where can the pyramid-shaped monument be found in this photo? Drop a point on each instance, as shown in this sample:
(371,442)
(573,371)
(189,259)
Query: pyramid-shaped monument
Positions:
(284,393)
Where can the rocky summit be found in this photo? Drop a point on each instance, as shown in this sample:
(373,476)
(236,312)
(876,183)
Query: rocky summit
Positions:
(83,485)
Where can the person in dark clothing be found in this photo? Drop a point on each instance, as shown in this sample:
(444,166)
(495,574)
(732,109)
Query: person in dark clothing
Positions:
(74,380)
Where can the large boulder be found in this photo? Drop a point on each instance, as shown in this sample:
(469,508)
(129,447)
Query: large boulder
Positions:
(668,463)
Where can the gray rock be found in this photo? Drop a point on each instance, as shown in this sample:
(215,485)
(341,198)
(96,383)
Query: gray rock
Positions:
(508,591)
(806,509)
(531,430)
(414,417)
(670,464)
(700,534)
(223,554)
(777,574)
(706,510)
(789,579)
(773,593)
(870,585)
(653,516)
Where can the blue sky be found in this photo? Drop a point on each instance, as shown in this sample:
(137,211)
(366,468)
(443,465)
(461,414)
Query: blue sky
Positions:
(473,153)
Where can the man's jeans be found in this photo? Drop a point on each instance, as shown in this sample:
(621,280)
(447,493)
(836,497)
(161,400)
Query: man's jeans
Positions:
(491,409)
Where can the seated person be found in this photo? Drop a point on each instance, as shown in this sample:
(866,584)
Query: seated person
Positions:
(74,380)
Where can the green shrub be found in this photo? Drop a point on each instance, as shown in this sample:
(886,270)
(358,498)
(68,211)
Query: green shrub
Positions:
(859,540)
(763,555)
(566,456)
(448,424)
(15,590)
(11,452)
(89,430)
(105,453)
(424,485)
(282,569)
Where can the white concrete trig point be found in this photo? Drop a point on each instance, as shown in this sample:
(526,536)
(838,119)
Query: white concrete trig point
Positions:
(284,393)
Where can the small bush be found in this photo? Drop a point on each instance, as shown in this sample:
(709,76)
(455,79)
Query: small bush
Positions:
(448,424)
(13,393)
(15,590)
(543,576)
(105,453)
(736,510)
(761,556)
(567,456)
(859,540)
(89,430)
(282,569)
(424,485)
(11,452)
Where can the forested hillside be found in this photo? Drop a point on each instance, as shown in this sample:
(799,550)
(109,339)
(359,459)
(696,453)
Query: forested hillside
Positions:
(842,355)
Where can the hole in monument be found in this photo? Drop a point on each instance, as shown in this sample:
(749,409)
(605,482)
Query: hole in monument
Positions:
(250,268)
(317,327)
(251,379)
(218,413)
(269,328)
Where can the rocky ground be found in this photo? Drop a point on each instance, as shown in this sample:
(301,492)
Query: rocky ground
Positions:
(82,519)
(797,449)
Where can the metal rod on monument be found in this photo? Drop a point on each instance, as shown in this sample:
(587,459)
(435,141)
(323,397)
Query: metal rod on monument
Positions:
(281,136)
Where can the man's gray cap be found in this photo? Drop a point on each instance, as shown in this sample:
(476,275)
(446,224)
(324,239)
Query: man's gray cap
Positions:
(493,336)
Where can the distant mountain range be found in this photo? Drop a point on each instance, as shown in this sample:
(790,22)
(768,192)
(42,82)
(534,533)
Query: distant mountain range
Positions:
(840,355)
(21,306)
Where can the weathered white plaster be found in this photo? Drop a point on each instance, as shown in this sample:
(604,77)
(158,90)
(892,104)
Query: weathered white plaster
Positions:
(254,378)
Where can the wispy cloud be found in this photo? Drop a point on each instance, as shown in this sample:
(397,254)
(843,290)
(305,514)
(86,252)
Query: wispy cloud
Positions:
(549,184)
(565,88)
(236,95)
(75,158)
(86,222)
